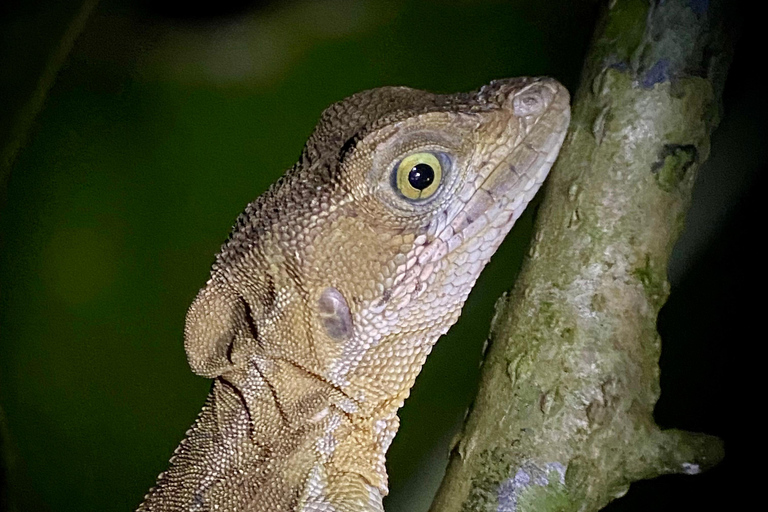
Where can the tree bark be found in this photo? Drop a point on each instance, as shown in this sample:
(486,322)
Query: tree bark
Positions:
(563,419)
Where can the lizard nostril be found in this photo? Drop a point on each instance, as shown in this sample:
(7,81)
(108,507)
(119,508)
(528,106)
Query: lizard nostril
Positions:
(532,101)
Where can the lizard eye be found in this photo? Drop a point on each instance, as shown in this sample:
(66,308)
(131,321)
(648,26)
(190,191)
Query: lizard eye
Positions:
(418,176)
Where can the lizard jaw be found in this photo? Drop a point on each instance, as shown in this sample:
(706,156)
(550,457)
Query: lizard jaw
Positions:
(498,195)
(472,227)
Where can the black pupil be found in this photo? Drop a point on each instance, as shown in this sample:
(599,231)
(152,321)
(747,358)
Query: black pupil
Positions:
(421,176)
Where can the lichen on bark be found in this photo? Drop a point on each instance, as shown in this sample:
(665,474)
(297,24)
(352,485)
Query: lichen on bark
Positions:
(563,419)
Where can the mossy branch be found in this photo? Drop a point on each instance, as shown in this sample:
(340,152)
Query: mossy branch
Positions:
(563,419)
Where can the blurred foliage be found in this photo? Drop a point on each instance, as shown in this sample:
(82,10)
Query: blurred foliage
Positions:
(159,130)
(36,37)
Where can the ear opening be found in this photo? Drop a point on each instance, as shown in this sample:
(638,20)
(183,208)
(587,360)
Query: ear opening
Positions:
(213,321)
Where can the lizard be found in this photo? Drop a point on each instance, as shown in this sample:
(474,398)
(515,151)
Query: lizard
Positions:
(335,284)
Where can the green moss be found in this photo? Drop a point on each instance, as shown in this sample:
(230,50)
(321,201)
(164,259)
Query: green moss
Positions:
(494,467)
(552,497)
(673,164)
(644,274)
(623,34)
(548,314)
(653,283)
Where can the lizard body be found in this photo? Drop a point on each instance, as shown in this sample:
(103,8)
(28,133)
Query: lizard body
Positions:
(334,285)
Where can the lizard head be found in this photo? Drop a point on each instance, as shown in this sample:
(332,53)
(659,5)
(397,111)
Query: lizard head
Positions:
(362,255)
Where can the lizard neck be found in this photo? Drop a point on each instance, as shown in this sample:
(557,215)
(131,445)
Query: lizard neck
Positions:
(243,451)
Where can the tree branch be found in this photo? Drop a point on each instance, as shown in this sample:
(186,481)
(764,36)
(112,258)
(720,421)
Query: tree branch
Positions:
(563,419)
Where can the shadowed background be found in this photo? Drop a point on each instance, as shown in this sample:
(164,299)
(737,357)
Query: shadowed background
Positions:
(164,123)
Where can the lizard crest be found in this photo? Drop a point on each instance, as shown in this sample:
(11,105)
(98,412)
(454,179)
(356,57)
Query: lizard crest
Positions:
(334,285)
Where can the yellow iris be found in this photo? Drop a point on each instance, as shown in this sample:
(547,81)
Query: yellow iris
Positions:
(419,175)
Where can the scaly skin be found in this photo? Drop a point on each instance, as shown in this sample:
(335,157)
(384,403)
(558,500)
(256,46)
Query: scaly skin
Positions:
(333,286)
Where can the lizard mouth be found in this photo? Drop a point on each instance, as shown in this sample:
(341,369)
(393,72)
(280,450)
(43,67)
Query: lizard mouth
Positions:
(496,198)
(488,206)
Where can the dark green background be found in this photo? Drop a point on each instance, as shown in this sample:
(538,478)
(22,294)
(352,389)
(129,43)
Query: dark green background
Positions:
(161,127)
